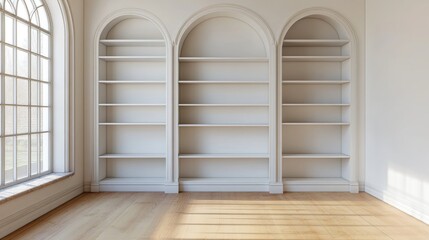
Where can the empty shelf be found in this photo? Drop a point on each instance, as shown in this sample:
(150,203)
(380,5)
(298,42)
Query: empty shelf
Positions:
(315,124)
(315,105)
(133,58)
(133,42)
(223,105)
(223,59)
(315,42)
(223,180)
(131,124)
(132,155)
(224,155)
(315,82)
(131,105)
(322,155)
(315,58)
(130,82)
(223,125)
(222,82)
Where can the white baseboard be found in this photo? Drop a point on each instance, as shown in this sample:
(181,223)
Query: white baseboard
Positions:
(276,188)
(131,187)
(34,211)
(412,207)
(221,187)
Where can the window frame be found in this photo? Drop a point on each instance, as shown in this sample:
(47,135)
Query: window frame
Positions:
(40,106)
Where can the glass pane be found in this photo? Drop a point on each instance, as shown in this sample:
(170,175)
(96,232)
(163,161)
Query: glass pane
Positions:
(22,156)
(22,35)
(44,118)
(43,17)
(44,148)
(9,32)
(9,7)
(35,119)
(44,74)
(38,3)
(9,94)
(8,155)
(44,44)
(34,40)
(30,6)
(34,154)
(44,94)
(22,91)
(34,93)
(9,120)
(22,120)
(34,67)
(22,10)
(22,63)
(9,60)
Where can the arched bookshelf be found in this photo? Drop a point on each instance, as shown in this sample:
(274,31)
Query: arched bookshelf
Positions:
(316,99)
(224,106)
(133,92)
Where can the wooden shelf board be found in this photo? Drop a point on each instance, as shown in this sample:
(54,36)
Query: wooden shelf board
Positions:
(315,181)
(222,82)
(222,105)
(323,155)
(223,125)
(224,155)
(139,181)
(315,42)
(315,124)
(130,105)
(315,105)
(133,42)
(132,155)
(130,82)
(315,82)
(132,124)
(315,58)
(223,59)
(223,181)
(133,58)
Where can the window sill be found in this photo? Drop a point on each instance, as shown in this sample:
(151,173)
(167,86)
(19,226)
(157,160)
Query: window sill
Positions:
(12,192)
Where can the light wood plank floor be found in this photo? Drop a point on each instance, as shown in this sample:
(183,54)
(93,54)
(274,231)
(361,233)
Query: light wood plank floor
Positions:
(225,216)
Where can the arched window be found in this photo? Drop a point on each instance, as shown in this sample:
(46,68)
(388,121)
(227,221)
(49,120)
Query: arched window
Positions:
(26,70)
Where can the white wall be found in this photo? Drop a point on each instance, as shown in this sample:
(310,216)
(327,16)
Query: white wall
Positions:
(397,103)
(175,13)
(23,209)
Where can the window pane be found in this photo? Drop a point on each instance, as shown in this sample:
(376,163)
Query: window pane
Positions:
(22,156)
(22,63)
(8,115)
(9,152)
(34,154)
(22,34)
(44,44)
(43,17)
(35,119)
(9,60)
(44,147)
(22,120)
(9,32)
(34,93)
(44,74)
(44,94)
(22,10)
(34,40)
(22,91)
(34,67)
(9,92)
(44,118)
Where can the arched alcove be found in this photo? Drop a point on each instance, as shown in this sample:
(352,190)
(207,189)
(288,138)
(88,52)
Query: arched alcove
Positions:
(317,100)
(224,116)
(132,102)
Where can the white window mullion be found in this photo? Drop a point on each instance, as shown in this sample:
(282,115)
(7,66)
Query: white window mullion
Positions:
(2,122)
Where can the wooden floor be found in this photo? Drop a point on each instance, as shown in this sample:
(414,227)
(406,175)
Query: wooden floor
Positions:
(225,216)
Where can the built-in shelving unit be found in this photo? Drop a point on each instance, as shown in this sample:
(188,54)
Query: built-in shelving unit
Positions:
(316,106)
(223,108)
(132,107)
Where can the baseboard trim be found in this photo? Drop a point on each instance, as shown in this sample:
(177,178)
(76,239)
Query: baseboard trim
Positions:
(220,187)
(34,211)
(131,188)
(288,187)
(411,207)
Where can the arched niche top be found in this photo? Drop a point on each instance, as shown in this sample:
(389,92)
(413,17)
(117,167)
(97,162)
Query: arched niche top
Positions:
(227,31)
(318,23)
(143,25)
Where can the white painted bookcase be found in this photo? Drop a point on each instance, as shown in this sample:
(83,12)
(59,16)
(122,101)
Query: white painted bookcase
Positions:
(132,107)
(316,106)
(236,113)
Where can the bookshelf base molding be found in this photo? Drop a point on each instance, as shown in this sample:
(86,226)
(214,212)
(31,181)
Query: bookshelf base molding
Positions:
(319,185)
(223,185)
